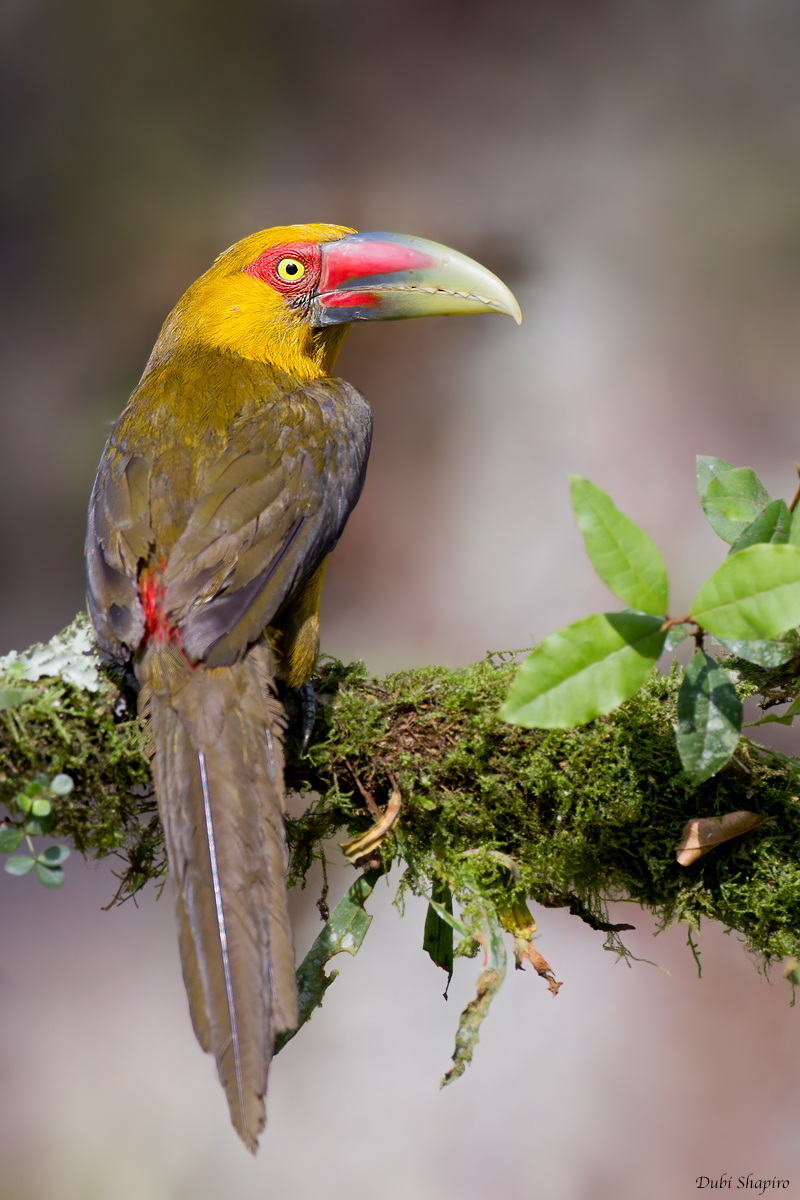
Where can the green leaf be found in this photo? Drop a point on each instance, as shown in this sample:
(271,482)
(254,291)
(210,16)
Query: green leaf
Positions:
(769,654)
(732,497)
(344,931)
(41,808)
(10,838)
(54,856)
(449,919)
(24,802)
(36,826)
(52,877)
(772,525)
(584,671)
(19,864)
(11,696)
(625,558)
(753,595)
(437,939)
(675,635)
(62,785)
(709,717)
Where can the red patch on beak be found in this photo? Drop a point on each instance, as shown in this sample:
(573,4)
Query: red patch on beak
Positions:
(349,300)
(356,260)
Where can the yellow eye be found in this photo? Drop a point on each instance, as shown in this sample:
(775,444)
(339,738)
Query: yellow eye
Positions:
(290,270)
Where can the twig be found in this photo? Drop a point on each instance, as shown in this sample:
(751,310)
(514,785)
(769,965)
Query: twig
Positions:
(670,621)
(578,909)
(796,496)
(368,799)
(322,903)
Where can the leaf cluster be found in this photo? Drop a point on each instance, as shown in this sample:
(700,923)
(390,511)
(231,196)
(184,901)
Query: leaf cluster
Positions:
(751,604)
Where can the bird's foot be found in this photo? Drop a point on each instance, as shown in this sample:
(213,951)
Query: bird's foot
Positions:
(361,851)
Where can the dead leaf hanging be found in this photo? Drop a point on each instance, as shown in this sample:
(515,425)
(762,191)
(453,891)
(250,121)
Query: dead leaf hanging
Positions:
(517,920)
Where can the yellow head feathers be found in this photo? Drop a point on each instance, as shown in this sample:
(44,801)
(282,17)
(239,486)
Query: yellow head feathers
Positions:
(256,307)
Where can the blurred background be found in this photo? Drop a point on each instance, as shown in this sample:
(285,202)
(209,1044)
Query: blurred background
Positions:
(631,168)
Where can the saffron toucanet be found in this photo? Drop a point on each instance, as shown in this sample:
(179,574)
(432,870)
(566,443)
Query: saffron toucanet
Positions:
(224,485)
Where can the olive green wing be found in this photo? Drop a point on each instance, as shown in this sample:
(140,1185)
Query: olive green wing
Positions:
(118,540)
(273,507)
(265,507)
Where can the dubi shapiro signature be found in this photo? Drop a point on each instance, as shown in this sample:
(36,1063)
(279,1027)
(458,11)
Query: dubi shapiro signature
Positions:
(759,1186)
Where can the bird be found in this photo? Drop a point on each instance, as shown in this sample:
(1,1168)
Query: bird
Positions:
(223,487)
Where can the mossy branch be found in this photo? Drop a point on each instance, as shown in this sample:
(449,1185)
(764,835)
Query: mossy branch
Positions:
(568,818)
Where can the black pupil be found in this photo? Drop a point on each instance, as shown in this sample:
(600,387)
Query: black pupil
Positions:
(291,268)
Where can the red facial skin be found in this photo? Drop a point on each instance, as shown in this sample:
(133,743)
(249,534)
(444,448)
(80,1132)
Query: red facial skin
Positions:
(265,267)
(342,261)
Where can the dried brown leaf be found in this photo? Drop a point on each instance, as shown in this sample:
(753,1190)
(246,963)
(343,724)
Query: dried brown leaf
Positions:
(525,949)
(702,834)
(517,920)
(362,847)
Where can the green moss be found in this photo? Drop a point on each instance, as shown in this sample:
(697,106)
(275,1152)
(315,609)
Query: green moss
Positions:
(577,817)
(91,737)
(591,814)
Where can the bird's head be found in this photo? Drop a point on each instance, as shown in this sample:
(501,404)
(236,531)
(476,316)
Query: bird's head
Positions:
(288,295)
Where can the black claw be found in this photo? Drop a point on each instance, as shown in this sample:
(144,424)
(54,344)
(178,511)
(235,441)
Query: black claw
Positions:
(308,709)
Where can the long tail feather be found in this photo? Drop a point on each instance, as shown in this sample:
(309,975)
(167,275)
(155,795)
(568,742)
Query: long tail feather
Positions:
(219,777)
(223,938)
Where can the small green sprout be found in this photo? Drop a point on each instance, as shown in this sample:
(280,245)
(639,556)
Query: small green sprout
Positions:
(36,807)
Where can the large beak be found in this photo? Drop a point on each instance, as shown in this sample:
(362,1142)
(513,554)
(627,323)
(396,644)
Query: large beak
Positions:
(388,276)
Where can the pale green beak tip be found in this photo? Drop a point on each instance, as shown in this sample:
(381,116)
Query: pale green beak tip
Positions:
(514,309)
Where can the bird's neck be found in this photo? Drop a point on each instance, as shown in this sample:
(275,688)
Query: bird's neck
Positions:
(242,317)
